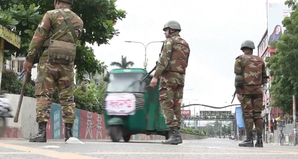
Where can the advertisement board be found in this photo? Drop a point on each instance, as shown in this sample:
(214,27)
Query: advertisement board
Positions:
(276,11)
(239,117)
(215,113)
(185,113)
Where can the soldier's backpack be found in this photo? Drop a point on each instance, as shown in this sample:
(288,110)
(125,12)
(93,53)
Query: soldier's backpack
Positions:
(62,52)
(252,70)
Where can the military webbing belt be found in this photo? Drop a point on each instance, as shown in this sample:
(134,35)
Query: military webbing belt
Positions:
(66,21)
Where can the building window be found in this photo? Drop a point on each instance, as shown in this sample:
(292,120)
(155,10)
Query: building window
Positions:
(12,65)
(20,66)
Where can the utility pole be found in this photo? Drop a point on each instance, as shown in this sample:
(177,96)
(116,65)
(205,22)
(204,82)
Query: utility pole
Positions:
(294,120)
(189,116)
(145,47)
(220,128)
(231,127)
(195,118)
(269,114)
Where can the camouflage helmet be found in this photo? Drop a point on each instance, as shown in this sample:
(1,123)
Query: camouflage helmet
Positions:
(172,25)
(247,44)
(67,1)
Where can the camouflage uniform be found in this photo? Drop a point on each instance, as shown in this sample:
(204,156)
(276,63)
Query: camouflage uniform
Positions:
(251,70)
(171,68)
(51,74)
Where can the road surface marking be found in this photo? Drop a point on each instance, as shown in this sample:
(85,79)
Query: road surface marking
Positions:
(255,149)
(189,153)
(49,153)
(14,153)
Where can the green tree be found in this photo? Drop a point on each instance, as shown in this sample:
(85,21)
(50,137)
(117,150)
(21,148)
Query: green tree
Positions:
(209,128)
(291,4)
(99,16)
(123,64)
(283,65)
(226,129)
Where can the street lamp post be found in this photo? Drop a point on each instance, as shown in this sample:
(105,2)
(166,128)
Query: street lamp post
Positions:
(145,46)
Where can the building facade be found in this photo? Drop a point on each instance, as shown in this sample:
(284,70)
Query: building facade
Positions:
(16,64)
(270,112)
(276,12)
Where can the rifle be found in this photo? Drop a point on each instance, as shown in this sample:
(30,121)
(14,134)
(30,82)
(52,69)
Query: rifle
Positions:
(25,81)
(154,66)
(236,90)
(141,79)
(149,73)
(145,75)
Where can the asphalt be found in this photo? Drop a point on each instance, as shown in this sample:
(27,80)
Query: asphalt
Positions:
(212,148)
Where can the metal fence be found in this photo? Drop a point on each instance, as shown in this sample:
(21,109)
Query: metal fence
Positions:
(285,140)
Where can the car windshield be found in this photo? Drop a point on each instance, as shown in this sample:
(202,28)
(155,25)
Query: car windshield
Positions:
(125,82)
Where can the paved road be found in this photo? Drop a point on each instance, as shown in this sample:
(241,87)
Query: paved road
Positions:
(104,149)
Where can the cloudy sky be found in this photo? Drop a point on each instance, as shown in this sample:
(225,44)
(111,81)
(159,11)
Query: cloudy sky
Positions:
(214,30)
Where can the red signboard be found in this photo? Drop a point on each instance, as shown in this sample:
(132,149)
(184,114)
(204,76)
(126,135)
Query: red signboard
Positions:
(185,112)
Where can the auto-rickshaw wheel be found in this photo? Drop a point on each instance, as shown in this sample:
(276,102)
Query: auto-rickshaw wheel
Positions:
(126,138)
(2,126)
(116,133)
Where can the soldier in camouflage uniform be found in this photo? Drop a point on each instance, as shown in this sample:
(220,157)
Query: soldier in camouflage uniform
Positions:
(171,68)
(250,78)
(54,45)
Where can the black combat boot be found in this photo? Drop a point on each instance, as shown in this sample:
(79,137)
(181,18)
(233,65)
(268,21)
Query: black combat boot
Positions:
(41,136)
(175,137)
(68,131)
(248,142)
(259,142)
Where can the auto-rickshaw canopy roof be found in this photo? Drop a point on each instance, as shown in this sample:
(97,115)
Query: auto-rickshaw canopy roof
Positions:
(129,70)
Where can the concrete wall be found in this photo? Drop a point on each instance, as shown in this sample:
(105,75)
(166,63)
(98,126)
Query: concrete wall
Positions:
(87,125)
(26,124)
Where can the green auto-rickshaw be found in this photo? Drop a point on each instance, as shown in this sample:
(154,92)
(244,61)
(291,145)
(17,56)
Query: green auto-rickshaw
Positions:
(131,106)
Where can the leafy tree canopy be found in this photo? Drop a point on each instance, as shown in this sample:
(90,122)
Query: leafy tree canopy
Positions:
(284,64)
(123,64)
(99,16)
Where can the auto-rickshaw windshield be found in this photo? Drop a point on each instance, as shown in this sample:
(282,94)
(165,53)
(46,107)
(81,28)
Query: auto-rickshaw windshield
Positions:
(125,82)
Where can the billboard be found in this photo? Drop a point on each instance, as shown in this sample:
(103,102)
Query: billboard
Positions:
(215,113)
(239,117)
(276,12)
(185,113)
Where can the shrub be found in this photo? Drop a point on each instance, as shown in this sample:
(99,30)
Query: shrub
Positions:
(92,98)
(192,131)
(11,84)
